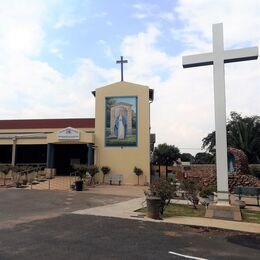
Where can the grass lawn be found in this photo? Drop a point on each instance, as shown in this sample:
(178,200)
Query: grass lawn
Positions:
(127,141)
(250,216)
(174,210)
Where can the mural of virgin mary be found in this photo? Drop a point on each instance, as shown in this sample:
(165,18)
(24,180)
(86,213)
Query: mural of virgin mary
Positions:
(120,128)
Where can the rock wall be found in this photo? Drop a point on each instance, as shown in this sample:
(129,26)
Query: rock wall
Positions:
(234,180)
(241,161)
(194,171)
(206,173)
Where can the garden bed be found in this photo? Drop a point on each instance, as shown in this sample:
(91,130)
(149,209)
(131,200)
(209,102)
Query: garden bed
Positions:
(176,210)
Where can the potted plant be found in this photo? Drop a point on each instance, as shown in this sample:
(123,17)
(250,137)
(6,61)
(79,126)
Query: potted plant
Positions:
(138,172)
(105,170)
(158,197)
(81,169)
(92,170)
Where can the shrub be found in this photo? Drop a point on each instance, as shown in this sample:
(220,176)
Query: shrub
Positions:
(92,170)
(163,189)
(254,170)
(5,170)
(205,192)
(191,190)
(138,172)
(81,169)
(105,170)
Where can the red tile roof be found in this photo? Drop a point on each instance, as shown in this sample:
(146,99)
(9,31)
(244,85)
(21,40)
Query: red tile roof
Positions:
(47,123)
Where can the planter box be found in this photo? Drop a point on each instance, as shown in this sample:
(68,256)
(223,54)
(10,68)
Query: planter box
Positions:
(153,207)
(78,185)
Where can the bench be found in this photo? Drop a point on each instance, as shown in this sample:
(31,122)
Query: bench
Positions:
(252,192)
(114,178)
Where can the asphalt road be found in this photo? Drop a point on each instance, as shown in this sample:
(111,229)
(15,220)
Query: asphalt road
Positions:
(89,237)
(62,235)
(21,206)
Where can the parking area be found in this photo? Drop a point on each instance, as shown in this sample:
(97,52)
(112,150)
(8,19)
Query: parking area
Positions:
(38,224)
(72,236)
(21,206)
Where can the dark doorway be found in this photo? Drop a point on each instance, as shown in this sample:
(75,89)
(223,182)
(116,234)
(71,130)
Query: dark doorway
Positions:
(5,153)
(32,154)
(65,155)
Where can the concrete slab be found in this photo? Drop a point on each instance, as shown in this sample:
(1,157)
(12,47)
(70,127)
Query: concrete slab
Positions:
(127,209)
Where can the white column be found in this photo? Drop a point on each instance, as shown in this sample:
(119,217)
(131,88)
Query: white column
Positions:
(13,151)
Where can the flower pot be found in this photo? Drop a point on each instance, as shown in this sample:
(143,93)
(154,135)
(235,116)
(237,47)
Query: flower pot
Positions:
(79,185)
(153,207)
(18,185)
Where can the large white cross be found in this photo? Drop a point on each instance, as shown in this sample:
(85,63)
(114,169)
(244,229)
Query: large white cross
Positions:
(217,58)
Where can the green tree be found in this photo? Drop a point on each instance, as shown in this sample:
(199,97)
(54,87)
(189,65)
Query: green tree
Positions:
(165,154)
(138,172)
(105,170)
(187,157)
(204,158)
(242,133)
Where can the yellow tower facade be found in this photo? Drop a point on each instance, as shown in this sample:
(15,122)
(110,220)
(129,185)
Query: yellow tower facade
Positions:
(122,130)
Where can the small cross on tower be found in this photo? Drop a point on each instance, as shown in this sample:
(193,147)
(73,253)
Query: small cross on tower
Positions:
(122,68)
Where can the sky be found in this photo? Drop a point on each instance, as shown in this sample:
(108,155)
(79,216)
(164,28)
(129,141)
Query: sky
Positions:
(53,53)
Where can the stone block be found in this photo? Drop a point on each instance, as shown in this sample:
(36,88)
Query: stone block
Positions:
(224,212)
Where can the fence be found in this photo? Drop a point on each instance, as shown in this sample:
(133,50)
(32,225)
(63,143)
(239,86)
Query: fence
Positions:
(33,176)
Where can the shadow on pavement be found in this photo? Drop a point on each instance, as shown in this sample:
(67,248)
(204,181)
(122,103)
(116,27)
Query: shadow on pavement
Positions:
(251,241)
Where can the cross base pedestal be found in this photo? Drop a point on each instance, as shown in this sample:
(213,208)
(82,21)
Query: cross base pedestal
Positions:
(227,212)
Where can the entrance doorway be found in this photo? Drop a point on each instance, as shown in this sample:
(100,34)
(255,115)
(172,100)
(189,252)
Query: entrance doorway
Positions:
(65,155)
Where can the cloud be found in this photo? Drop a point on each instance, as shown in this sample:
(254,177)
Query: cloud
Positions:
(101,14)
(183,110)
(55,48)
(145,11)
(145,58)
(21,28)
(66,14)
(68,21)
(107,48)
(241,20)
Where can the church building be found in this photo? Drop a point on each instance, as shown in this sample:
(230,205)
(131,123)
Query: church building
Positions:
(118,136)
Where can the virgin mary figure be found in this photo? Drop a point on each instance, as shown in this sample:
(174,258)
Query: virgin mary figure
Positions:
(120,127)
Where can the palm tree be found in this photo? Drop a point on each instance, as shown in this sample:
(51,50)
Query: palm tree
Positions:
(242,133)
(245,136)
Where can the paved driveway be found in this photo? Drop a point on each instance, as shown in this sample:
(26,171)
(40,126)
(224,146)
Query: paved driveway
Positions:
(20,206)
